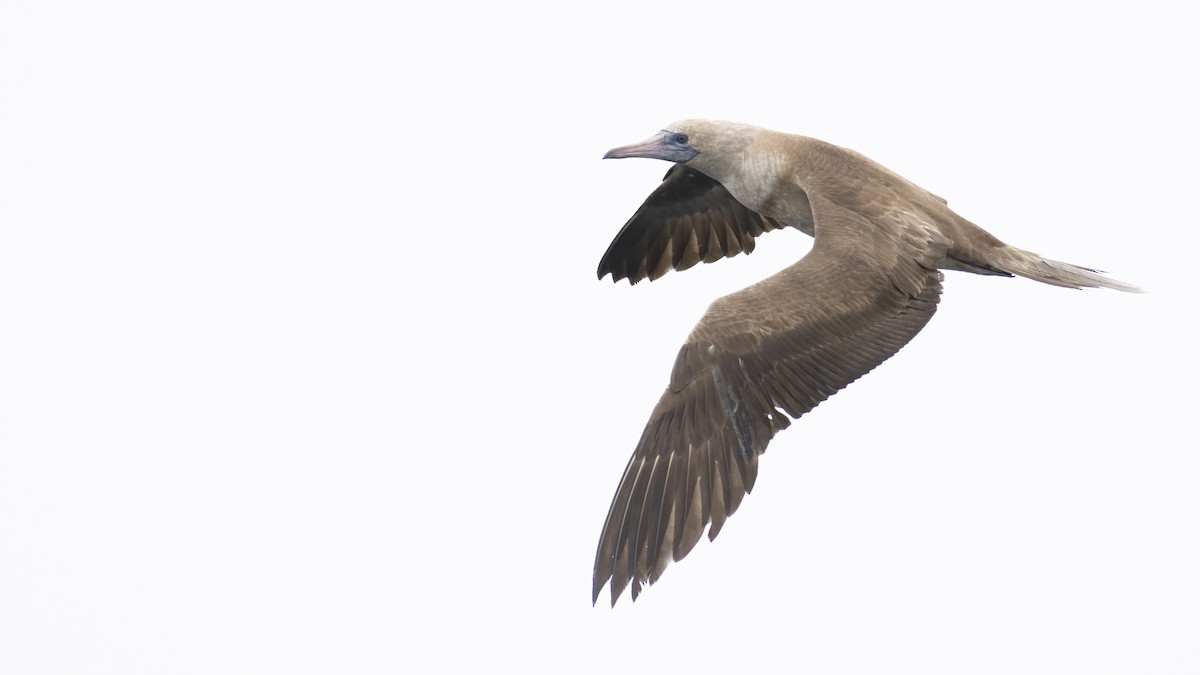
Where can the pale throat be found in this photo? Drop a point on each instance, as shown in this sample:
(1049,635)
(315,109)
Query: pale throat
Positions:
(765,183)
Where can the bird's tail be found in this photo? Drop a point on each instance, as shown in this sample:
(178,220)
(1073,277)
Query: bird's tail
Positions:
(1033,266)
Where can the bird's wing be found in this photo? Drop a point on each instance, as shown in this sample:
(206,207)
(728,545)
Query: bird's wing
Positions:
(687,219)
(758,357)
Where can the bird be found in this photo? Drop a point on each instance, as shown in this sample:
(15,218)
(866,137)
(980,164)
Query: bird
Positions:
(763,356)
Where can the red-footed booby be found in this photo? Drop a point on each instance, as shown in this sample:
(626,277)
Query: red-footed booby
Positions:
(765,355)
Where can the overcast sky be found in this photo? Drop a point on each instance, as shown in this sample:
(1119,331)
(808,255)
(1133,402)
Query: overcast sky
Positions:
(304,367)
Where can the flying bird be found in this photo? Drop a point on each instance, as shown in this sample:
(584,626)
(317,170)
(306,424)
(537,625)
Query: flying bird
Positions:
(765,355)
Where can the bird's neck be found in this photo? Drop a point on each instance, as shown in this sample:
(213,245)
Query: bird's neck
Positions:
(767,183)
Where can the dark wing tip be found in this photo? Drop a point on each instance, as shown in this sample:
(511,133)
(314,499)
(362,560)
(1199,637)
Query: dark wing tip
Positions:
(688,474)
(689,218)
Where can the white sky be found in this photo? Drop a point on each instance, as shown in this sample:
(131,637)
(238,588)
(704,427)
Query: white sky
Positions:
(304,367)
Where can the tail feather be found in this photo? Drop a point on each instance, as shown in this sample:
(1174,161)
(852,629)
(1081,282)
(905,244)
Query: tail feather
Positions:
(1034,266)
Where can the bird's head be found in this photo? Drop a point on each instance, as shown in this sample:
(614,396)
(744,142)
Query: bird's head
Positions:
(701,144)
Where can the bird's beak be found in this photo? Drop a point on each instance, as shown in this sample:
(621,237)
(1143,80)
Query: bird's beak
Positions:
(655,147)
(651,147)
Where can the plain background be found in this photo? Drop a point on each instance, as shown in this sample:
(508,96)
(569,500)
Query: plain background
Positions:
(304,367)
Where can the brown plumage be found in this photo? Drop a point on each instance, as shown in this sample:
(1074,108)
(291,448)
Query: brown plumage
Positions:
(767,354)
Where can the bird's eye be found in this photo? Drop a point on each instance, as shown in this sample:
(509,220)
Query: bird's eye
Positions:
(681,139)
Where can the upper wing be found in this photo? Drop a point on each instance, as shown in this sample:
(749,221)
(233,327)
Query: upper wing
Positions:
(688,218)
(759,356)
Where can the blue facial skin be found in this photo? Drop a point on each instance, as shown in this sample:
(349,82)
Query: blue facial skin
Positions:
(671,146)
